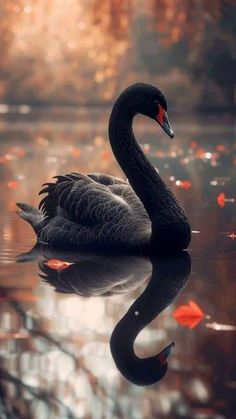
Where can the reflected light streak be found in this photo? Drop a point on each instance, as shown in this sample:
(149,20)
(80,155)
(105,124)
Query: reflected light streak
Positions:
(221,327)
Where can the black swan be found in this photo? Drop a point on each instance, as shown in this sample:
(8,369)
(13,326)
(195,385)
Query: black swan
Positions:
(102,212)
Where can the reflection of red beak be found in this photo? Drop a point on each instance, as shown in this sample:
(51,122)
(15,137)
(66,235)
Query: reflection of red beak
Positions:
(163,120)
(164,355)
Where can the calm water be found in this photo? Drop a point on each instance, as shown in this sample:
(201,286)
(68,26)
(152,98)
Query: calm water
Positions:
(55,356)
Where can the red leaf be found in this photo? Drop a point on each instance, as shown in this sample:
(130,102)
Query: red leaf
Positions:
(220,147)
(57,264)
(12,184)
(189,315)
(200,153)
(105,155)
(186,184)
(76,152)
(221,200)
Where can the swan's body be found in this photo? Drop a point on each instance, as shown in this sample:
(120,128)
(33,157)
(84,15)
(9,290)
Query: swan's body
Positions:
(104,212)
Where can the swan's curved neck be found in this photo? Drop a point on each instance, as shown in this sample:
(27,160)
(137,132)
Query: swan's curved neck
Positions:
(141,174)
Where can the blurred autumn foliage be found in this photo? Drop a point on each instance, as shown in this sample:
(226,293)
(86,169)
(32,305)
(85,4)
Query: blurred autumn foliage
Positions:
(74,52)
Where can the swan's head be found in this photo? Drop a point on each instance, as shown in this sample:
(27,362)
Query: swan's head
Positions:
(149,101)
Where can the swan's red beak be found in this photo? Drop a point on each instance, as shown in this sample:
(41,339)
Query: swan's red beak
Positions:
(163,120)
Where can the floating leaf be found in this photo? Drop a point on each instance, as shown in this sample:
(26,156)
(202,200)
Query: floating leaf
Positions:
(76,152)
(200,153)
(57,264)
(105,155)
(12,184)
(221,200)
(189,315)
(184,184)
(4,159)
(221,148)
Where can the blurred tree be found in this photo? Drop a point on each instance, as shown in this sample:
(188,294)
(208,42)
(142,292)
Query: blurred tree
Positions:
(193,35)
(213,62)
(151,55)
(113,16)
(185,19)
(84,52)
(9,11)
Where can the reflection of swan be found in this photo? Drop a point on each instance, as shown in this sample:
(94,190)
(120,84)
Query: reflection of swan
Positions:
(103,212)
(168,277)
(91,274)
(94,274)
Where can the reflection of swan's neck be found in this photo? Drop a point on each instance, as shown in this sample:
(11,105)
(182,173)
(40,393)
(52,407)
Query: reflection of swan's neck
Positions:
(141,371)
(168,277)
(169,222)
(159,292)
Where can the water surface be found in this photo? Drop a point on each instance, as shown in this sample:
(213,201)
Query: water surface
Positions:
(55,357)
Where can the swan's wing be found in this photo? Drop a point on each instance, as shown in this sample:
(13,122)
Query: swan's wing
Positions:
(121,188)
(50,202)
(126,192)
(81,199)
(107,180)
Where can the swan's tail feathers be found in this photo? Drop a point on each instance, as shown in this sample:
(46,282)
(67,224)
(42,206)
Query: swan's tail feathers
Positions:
(30,214)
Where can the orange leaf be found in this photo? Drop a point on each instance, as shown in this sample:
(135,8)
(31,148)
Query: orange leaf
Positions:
(200,152)
(57,264)
(220,147)
(105,155)
(189,315)
(221,200)
(76,152)
(3,159)
(12,184)
(186,184)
